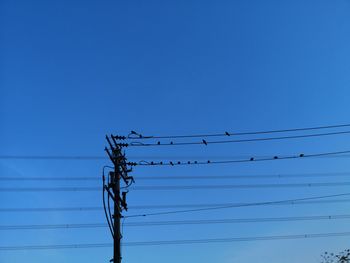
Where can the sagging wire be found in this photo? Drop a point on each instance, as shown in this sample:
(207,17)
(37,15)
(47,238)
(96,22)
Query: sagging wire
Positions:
(108,215)
(136,135)
(205,142)
(252,159)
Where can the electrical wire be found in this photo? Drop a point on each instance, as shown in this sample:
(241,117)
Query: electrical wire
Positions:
(236,186)
(135,135)
(31,157)
(52,157)
(172,206)
(178,187)
(237,205)
(49,189)
(49,178)
(109,220)
(249,176)
(236,239)
(204,142)
(238,220)
(178,242)
(252,159)
(178,222)
(51,209)
(183,177)
(177,206)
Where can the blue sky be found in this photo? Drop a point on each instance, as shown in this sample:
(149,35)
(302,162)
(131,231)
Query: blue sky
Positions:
(72,71)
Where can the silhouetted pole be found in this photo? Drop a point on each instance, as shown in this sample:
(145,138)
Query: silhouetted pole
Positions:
(117,210)
(121,171)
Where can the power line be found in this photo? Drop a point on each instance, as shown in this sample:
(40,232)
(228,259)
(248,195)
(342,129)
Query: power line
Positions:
(178,177)
(249,176)
(239,220)
(236,186)
(52,209)
(252,159)
(175,187)
(178,222)
(135,135)
(52,157)
(178,242)
(49,189)
(260,158)
(204,142)
(50,178)
(168,206)
(177,206)
(237,205)
(87,158)
(236,239)
(45,247)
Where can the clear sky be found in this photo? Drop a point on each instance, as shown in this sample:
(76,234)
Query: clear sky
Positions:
(72,71)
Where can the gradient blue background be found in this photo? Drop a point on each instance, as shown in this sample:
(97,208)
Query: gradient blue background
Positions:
(72,71)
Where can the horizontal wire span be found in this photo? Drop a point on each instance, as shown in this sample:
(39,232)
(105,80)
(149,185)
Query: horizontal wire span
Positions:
(176,187)
(51,209)
(135,135)
(249,159)
(249,176)
(178,242)
(50,178)
(204,142)
(252,159)
(179,222)
(242,186)
(180,177)
(210,206)
(238,205)
(236,239)
(142,207)
(136,207)
(52,157)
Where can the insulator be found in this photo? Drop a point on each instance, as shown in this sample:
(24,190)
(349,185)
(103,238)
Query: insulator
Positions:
(117,137)
(123,144)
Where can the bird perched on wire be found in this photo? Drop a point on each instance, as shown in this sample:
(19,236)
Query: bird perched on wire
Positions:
(205,142)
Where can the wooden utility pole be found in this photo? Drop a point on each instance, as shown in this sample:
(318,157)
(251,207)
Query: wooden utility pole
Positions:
(113,191)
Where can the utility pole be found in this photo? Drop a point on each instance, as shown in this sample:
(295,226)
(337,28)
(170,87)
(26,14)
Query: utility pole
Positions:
(112,188)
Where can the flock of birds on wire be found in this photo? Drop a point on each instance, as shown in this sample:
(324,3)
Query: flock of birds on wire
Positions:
(135,139)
